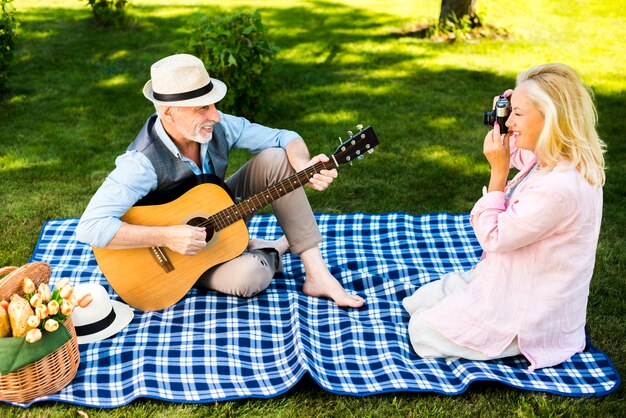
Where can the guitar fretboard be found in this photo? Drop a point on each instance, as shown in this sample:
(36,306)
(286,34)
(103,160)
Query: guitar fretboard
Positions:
(249,205)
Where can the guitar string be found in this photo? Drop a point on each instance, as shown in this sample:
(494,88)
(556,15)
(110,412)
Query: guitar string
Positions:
(223,218)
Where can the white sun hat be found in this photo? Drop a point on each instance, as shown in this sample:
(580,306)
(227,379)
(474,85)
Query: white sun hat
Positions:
(182,80)
(102,318)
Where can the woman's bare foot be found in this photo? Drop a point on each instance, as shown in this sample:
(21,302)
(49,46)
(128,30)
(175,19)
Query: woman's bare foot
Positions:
(320,283)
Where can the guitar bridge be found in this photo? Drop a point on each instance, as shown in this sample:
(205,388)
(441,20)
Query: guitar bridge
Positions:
(162,259)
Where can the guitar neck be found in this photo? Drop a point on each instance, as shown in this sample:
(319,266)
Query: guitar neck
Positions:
(249,205)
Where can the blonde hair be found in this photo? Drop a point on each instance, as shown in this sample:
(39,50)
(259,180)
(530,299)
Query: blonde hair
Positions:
(569,131)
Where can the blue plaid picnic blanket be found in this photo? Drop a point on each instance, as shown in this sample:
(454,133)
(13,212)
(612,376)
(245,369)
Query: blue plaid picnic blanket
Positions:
(211,347)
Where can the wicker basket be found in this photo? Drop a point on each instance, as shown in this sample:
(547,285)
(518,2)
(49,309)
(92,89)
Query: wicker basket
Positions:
(53,372)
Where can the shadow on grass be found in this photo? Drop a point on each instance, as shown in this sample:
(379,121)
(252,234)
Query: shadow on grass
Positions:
(75,103)
(82,84)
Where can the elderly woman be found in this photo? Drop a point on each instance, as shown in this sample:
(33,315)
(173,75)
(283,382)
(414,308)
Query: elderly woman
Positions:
(539,232)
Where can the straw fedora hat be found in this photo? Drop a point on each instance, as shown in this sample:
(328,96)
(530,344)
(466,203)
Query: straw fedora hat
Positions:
(182,80)
(102,318)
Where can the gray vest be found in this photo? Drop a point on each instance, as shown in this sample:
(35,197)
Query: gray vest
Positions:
(169,168)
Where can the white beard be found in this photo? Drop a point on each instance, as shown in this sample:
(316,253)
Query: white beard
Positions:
(203,139)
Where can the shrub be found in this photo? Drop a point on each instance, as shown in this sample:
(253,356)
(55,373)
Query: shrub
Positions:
(109,12)
(234,49)
(8,28)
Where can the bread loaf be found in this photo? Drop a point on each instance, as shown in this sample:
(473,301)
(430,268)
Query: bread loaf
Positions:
(5,326)
(19,311)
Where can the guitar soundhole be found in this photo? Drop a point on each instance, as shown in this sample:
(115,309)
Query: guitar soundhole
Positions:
(200,221)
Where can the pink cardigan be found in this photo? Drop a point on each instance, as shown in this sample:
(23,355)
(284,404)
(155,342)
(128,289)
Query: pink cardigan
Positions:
(540,252)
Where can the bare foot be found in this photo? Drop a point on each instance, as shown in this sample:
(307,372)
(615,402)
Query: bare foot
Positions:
(325,285)
(281,245)
(320,283)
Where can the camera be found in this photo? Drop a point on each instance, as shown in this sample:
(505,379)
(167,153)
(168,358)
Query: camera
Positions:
(500,114)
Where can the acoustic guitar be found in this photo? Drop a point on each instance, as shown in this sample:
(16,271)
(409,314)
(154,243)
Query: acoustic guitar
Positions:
(156,278)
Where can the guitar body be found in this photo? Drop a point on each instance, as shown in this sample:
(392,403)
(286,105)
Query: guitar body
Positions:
(136,275)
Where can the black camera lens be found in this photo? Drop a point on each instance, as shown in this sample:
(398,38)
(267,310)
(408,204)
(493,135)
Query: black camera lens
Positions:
(489,118)
(500,114)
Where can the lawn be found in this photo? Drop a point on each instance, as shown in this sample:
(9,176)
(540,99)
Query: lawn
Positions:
(73,103)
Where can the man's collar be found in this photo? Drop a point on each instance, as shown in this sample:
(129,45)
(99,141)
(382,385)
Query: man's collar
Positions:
(165,138)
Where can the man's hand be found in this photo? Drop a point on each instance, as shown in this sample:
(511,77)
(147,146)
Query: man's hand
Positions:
(320,181)
(298,155)
(184,239)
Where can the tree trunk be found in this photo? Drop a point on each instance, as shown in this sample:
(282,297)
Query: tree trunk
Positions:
(455,10)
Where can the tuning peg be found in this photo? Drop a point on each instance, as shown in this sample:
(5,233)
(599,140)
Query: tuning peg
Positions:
(360,157)
(359,127)
(370,151)
(350,134)
(340,140)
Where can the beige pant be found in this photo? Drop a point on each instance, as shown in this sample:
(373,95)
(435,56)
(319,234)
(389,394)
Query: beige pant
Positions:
(427,341)
(251,273)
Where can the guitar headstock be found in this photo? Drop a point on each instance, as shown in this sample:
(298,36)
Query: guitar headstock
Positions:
(356,146)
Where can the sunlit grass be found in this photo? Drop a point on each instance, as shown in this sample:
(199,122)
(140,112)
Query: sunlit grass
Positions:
(10,162)
(117,80)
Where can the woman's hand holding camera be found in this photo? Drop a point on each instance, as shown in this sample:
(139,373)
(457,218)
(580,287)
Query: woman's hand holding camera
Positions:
(496,149)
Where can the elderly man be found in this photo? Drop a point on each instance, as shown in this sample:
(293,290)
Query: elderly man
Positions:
(187,137)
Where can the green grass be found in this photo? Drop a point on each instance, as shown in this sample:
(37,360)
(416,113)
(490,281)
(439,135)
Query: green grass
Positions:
(74,102)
